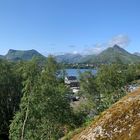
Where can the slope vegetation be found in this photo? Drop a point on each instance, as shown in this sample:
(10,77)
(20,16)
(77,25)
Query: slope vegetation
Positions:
(69,58)
(113,55)
(15,55)
(120,122)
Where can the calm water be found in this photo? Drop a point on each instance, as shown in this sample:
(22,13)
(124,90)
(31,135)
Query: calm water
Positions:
(75,72)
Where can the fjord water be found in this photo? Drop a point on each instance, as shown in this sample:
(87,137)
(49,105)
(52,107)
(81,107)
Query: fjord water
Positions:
(75,72)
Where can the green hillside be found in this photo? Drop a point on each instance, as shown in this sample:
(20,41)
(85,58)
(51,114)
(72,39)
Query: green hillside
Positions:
(69,58)
(1,57)
(15,55)
(113,55)
(137,53)
(110,55)
(87,58)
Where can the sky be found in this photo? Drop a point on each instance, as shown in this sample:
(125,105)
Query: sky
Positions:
(69,26)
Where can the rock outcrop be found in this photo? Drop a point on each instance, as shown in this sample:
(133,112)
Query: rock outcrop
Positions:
(120,122)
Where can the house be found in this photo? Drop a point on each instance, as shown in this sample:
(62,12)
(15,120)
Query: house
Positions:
(73,83)
(70,79)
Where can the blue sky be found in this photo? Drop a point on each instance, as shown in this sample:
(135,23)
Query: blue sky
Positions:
(57,26)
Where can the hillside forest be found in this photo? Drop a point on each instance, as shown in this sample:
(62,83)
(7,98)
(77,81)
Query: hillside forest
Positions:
(34,103)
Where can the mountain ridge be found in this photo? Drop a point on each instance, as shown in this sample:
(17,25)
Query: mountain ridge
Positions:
(137,53)
(25,55)
(110,55)
(113,55)
(69,58)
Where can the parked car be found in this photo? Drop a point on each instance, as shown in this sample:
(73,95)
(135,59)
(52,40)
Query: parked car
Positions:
(73,98)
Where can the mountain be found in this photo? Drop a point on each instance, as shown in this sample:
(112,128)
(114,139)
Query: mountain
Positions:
(114,54)
(69,58)
(119,122)
(88,58)
(15,55)
(1,57)
(110,55)
(137,53)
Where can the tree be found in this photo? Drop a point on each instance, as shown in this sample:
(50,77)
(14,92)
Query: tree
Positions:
(10,94)
(110,80)
(88,89)
(44,111)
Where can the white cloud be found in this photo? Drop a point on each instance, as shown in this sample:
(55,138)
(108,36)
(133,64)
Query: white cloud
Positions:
(95,49)
(121,40)
(75,52)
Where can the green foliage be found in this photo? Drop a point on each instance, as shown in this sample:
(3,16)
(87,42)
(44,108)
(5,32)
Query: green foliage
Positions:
(88,90)
(131,73)
(111,77)
(10,94)
(110,80)
(107,86)
(44,111)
